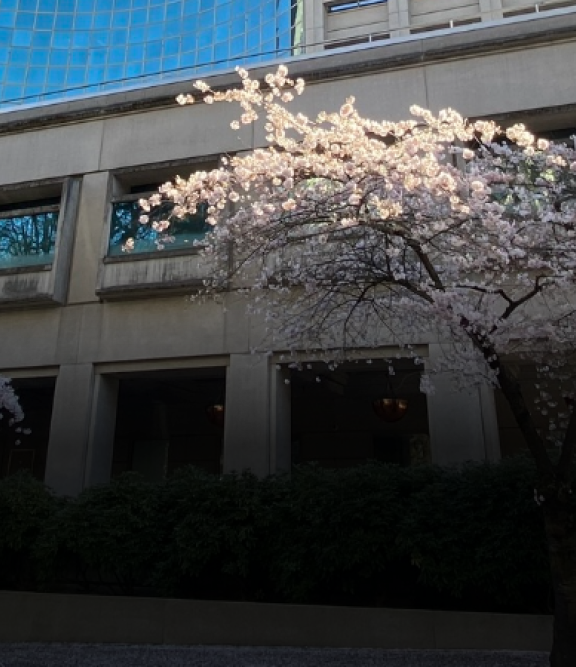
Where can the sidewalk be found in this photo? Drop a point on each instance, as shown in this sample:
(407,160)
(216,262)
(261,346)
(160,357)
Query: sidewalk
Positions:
(120,655)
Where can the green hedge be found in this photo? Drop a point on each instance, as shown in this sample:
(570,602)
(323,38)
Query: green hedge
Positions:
(469,538)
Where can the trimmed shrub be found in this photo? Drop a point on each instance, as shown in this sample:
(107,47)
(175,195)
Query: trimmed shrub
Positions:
(105,538)
(428,537)
(26,505)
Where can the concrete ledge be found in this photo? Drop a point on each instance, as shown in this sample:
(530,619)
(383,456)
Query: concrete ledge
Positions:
(38,617)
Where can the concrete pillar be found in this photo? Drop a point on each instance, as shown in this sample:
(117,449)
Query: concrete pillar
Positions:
(462,424)
(280,420)
(81,430)
(399,17)
(101,433)
(491,10)
(69,428)
(257,421)
(313,25)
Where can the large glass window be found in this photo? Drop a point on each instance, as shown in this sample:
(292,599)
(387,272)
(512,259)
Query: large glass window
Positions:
(28,233)
(129,235)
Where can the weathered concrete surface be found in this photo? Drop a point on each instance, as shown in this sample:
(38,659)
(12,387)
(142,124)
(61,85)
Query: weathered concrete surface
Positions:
(97,655)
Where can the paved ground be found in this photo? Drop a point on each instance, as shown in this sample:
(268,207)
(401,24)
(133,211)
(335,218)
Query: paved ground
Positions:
(114,655)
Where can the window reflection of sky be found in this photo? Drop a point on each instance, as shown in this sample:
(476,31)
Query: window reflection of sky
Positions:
(50,49)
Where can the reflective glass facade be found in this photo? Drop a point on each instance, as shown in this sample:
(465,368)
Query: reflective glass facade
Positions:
(51,49)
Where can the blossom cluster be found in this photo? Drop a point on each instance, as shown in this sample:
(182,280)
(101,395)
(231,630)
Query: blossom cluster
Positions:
(347,232)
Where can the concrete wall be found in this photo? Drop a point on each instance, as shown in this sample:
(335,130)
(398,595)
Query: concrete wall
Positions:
(106,321)
(34,617)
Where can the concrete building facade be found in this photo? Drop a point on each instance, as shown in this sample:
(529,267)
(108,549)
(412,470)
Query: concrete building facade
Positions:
(118,370)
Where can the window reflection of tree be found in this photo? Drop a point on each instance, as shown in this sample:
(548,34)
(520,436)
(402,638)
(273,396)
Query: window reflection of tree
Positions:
(126,225)
(28,233)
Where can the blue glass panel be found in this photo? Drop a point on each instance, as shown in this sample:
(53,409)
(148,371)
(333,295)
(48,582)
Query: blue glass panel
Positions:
(16,75)
(126,230)
(139,17)
(156,14)
(7,19)
(78,58)
(120,19)
(5,36)
(171,46)
(116,55)
(98,57)
(27,6)
(62,40)
(25,20)
(56,77)
(12,92)
(172,29)
(19,56)
(170,63)
(58,58)
(66,5)
(119,37)
(45,21)
(137,35)
(9,4)
(82,21)
(153,50)
(102,20)
(135,52)
(28,240)
(85,5)
(41,39)
(223,13)
(64,22)
(36,75)
(22,38)
(222,51)
(174,10)
(206,19)
(80,40)
(190,7)
(205,55)
(222,32)
(31,92)
(114,72)
(3,54)
(76,76)
(134,69)
(39,57)
(99,38)
(151,66)
(95,74)
(205,37)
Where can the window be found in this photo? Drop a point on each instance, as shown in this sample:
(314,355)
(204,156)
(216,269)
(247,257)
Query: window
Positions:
(28,227)
(129,237)
(352,4)
(127,232)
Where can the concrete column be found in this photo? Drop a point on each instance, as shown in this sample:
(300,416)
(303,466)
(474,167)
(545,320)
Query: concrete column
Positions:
(399,17)
(257,422)
(69,428)
(101,433)
(463,425)
(491,10)
(313,25)
(280,420)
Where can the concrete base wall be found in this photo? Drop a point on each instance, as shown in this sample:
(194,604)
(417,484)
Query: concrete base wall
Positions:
(37,617)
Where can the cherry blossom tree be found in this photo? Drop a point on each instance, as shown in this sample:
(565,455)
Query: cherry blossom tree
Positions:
(346,233)
(10,409)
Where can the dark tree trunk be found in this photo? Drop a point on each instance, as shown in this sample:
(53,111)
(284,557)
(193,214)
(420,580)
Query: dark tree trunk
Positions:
(560,524)
(554,487)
